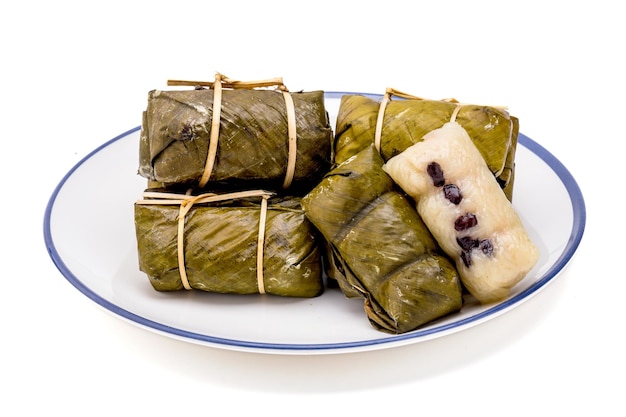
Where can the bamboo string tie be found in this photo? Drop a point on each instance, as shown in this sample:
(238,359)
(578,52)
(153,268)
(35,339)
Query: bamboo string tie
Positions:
(215,131)
(389,93)
(291,132)
(186,202)
(218,85)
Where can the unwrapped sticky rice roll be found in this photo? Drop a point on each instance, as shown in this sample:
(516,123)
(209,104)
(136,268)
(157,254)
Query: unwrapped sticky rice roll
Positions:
(465,209)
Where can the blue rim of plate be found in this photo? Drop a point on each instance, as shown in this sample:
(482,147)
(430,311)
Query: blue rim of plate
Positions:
(579,222)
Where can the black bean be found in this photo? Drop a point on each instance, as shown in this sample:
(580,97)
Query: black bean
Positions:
(467,243)
(465,222)
(452,193)
(466,257)
(436,174)
(486,247)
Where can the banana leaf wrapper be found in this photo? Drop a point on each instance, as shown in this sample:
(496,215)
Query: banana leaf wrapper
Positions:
(380,249)
(493,130)
(220,248)
(253,139)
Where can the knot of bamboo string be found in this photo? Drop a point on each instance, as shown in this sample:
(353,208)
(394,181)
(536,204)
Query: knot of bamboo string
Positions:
(218,85)
(186,202)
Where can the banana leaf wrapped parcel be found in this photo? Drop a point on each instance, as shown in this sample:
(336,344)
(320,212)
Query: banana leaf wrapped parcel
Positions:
(240,243)
(394,125)
(379,247)
(234,133)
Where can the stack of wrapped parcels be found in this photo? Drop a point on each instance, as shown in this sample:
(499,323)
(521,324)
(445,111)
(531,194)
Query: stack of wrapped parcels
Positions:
(249,191)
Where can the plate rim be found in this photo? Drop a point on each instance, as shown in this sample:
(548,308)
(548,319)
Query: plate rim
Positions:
(576,234)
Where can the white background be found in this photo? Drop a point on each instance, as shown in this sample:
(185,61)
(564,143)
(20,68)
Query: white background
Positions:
(76,74)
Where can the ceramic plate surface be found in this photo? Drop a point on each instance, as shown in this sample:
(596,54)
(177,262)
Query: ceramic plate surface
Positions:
(93,245)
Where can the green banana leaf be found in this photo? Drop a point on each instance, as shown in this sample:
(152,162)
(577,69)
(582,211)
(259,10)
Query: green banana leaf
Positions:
(253,138)
(220,248)
(406,121)
(379,248)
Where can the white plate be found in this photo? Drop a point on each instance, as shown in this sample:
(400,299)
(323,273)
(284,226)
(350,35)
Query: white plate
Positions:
(89,232)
